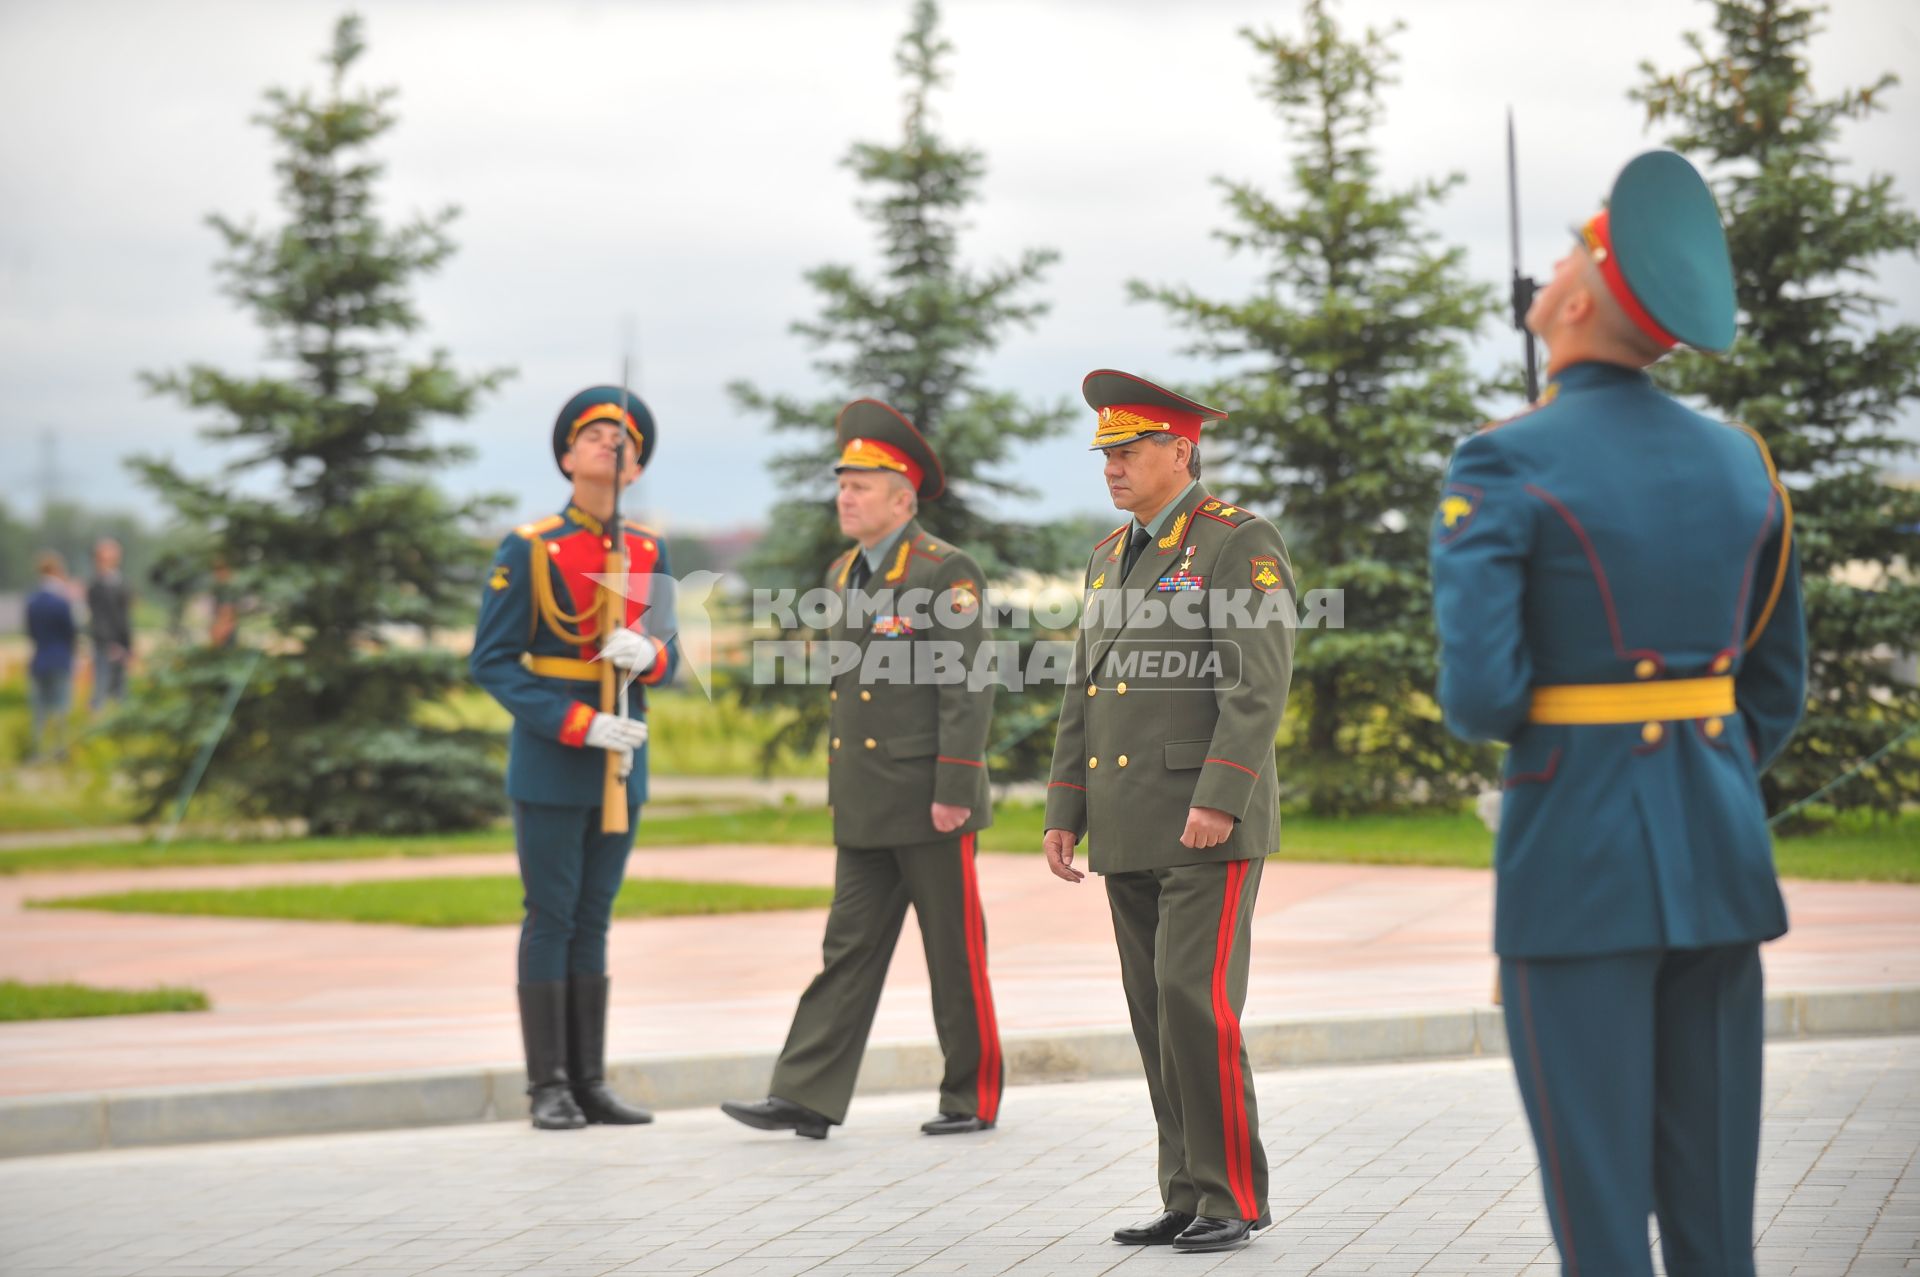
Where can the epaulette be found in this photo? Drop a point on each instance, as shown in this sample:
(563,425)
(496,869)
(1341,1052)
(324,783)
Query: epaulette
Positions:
(634,525)
(1101,544)
(1220,511)
(1547,396)
(928,548)
(532,530)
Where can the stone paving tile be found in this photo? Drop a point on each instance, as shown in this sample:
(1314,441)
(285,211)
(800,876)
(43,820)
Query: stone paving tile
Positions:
(1391,1170)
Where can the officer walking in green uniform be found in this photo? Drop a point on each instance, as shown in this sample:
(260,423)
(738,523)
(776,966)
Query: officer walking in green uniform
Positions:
(907,780)
(539,650)
(1165,762)
(1617,598)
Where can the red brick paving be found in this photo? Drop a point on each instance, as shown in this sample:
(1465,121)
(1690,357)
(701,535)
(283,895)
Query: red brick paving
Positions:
(313,999)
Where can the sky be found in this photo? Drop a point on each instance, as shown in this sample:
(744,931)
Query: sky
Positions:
(679,162)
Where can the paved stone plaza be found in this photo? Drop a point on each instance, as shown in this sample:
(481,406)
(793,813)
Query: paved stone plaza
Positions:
(1389,1169)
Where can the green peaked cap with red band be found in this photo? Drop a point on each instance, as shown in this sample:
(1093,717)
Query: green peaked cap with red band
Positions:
(1661,248)
(878,436)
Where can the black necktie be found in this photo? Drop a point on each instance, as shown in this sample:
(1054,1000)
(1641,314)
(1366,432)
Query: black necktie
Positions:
(1136,543)
(858,575)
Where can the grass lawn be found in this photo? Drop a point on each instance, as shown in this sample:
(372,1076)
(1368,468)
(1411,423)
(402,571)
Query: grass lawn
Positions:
(441,902)
(1851,848)
(70,1001)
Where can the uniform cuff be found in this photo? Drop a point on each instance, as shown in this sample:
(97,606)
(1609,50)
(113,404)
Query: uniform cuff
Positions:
(956,781)
(573,728)
(1225,785)
(656,672)
(1067,807)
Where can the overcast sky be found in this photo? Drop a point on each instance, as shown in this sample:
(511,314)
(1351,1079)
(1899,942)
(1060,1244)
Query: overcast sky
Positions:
(679,161)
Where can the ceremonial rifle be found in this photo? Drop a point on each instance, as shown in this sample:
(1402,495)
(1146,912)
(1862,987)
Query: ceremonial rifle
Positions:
(613,619)
(1524,286)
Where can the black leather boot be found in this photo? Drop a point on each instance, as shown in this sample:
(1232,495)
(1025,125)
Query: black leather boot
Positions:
(587,1054)
(543,1030)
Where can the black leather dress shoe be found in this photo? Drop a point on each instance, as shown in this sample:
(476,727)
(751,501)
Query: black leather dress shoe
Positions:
(1210,1232)
(955,1124)
(776,1114)
(1158,1231)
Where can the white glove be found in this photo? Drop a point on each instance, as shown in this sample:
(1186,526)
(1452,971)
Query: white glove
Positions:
(617,735)
(631,650)
(1487,806)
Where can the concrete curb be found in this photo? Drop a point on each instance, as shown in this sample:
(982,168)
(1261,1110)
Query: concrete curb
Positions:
(35,1125)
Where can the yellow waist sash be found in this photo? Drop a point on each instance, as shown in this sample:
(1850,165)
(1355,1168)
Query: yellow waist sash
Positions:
(1674,698)
(565,667)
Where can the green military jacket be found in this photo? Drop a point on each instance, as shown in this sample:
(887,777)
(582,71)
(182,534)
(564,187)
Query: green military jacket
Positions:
(907,730)
(1175,696)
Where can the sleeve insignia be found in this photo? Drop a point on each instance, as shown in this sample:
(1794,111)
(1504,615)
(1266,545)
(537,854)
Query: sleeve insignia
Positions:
(966,597)
(1457,508)
(498,581)
(1266,573)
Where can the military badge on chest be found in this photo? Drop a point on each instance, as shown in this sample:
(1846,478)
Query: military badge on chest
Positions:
(891,627)
(1183,577)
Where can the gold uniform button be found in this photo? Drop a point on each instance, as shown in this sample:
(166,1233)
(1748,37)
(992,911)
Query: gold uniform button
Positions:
(1646,668)
(1715,726)
(866,695)
(872,743)
(1092,763)
(1722,663)
(1122,689)
(1092,690)
(836,742)
(833,696)
(1122,760)
(1652,733)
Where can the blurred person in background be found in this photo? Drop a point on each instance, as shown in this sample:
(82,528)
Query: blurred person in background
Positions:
(52,631)
(109,623)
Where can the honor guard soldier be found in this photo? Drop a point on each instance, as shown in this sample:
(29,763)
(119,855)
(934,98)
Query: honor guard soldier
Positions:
(540,650)
(907,780)
(1165,762)
(1618,600)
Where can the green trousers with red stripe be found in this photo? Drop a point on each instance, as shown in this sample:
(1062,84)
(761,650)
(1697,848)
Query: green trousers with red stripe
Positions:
(871,891)
(1184,935)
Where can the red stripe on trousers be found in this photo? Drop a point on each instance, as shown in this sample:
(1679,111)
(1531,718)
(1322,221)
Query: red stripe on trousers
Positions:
(1233,1104)
(987,1075)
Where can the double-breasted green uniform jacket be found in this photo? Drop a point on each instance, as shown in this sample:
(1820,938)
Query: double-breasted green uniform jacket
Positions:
(904,735)
(1174,698)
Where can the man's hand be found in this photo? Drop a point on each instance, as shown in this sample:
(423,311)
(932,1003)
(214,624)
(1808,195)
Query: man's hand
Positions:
(619,736)
(1206,827)
(1060,844)
(947,817)
(631,650)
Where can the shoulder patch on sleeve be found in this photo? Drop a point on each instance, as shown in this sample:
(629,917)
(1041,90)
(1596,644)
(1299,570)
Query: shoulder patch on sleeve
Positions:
(498,581)
(1458,504)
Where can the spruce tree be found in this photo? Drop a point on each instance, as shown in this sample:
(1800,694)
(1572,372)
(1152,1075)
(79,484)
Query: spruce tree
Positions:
(325,514)
(913,333)
(1347,382)
(1813,372)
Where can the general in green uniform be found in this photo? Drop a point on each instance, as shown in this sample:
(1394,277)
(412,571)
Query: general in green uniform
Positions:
(539,649)
(1165,762)
(907,780)
(1616,598)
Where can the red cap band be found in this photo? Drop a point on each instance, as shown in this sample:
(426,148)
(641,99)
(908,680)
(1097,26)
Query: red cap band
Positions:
(1599,238)
(872,454)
